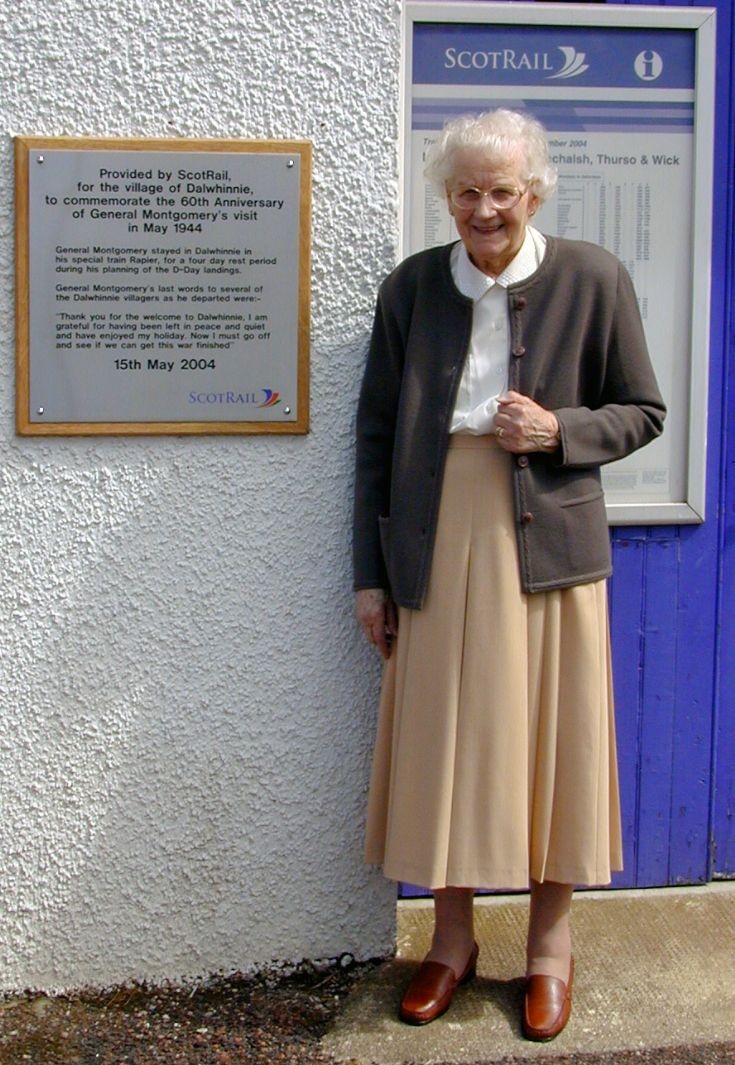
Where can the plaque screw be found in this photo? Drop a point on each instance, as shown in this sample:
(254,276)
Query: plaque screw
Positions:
(289,164)
(40,159)
(286,410)
(40,410)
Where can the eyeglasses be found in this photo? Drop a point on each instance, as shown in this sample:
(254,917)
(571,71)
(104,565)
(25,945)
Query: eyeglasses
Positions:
(502,197)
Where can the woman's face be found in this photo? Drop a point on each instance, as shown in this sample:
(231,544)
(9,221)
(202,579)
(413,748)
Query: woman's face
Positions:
(491,236)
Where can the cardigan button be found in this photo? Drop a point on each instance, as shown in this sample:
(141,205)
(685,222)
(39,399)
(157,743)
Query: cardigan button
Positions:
(522,461)
(519,350)
(520,302)
(527,517)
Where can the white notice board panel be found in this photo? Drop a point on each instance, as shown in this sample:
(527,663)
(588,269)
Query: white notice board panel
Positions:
(627,97)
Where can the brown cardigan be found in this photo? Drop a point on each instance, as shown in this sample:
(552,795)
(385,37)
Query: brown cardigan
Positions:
(577,348)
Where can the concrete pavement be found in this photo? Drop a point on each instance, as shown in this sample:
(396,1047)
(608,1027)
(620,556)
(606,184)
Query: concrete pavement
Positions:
(654,969)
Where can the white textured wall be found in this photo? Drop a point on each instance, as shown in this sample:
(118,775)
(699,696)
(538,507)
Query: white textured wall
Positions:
(186,707)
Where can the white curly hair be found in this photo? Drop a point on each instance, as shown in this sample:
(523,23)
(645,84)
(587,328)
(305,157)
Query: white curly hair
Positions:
(501,135)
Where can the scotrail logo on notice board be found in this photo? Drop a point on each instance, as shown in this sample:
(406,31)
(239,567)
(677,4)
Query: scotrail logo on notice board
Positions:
(574,63)
(486,54)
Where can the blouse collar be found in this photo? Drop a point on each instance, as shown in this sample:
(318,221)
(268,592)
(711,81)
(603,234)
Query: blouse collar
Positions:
(473,283)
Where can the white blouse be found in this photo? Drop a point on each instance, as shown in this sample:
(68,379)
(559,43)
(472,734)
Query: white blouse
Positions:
(485,374)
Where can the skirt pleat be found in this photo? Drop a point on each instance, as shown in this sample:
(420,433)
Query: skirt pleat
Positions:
(495,758)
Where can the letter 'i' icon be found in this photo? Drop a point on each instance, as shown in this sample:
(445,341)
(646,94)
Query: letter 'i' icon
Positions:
(648,65)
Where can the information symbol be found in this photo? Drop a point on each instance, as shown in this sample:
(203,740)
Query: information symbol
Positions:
(648,65)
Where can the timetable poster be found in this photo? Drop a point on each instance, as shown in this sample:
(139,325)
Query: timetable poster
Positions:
(618,104)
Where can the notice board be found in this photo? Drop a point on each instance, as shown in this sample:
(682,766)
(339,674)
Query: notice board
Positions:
(627,97)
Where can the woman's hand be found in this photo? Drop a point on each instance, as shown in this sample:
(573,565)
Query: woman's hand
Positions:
(378,618)
(522,426)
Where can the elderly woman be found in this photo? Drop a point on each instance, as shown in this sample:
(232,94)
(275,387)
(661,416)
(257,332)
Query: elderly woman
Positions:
(503,371)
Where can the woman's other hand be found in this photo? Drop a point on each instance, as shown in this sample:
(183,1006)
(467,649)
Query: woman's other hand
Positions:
(522,426)
(378,618)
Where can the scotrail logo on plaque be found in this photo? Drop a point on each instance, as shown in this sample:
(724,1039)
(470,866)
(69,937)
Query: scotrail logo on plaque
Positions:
(229,397)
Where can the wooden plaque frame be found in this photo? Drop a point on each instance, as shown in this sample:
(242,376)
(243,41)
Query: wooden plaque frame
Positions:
(24,146)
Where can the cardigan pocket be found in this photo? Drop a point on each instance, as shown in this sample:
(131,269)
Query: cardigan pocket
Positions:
(384,529)
(588,497)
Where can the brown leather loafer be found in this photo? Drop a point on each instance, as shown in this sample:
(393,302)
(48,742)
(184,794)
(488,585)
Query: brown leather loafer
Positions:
(547,1006)
(431,991)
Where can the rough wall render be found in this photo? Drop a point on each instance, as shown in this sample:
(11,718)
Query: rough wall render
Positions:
(187,708)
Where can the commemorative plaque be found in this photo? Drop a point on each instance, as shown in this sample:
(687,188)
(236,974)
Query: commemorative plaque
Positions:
(162,286)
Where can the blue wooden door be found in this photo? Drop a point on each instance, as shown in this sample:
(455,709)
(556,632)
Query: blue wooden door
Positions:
(723,820)
(672,622)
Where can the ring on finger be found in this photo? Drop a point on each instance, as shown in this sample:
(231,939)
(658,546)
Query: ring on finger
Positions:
(499,431)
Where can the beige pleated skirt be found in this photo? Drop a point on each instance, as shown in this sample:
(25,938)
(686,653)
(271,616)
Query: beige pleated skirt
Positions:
(495,753)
